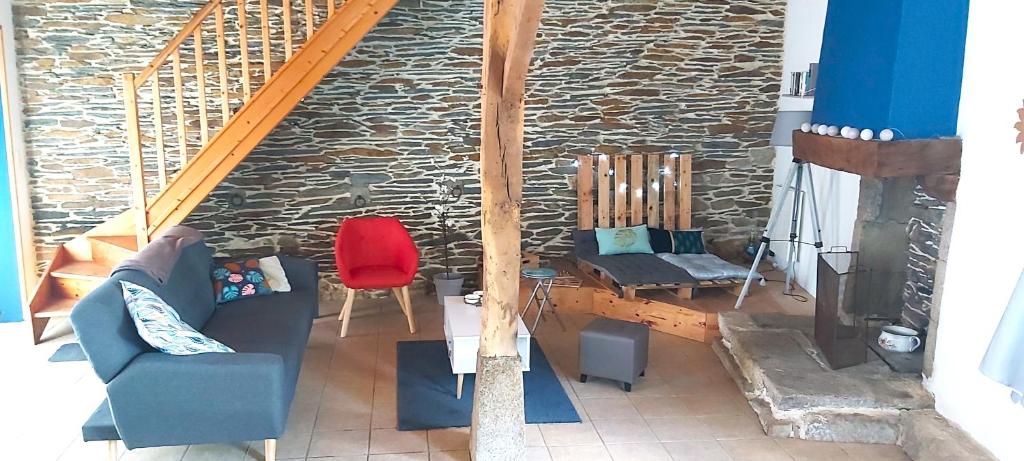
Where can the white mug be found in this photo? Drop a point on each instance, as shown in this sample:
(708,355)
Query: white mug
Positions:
(899,339)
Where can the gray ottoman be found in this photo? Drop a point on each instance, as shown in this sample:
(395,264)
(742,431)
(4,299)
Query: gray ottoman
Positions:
(615,350)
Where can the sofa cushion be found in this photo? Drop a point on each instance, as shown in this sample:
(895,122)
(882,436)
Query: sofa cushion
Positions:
(280,317)
(100,425)
(106,330)
(234,280)
(623,240)
(161,327)
(688,241)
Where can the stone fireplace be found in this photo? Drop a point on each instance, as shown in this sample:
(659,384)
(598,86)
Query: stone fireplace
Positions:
(786,375)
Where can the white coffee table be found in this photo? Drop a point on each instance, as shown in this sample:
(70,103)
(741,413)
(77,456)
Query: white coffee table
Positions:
(462,332)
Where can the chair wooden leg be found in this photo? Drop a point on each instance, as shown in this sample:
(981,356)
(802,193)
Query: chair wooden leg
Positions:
(346,310)
(112,450)
(270,449)
(408,309)
(685,293)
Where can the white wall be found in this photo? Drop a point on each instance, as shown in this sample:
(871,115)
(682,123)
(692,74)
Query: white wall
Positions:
(837,192)
(985,256)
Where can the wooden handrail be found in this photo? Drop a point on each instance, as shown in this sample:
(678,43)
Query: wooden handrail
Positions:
(172,46)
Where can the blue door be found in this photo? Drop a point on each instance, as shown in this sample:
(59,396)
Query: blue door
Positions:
(10,286)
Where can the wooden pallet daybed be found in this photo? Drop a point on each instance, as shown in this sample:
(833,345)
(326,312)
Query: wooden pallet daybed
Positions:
(661,310)
(634,189)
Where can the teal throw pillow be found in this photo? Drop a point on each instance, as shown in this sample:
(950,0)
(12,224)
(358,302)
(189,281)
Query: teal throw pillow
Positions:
(161,327)
(623,240)
(688,242)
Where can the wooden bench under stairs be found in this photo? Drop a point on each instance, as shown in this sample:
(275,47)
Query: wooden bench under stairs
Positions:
(217,89)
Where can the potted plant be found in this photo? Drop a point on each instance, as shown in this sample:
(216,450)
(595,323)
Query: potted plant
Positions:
(446,283)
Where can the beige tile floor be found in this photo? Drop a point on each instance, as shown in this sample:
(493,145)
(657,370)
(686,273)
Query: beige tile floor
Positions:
(686,408)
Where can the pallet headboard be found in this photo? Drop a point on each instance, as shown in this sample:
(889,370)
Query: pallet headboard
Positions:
(634,189)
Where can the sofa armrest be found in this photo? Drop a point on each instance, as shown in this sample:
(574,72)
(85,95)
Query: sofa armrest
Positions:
(161,399)
(302,274)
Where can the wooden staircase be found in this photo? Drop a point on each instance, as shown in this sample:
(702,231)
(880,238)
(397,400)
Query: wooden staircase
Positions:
(215,116)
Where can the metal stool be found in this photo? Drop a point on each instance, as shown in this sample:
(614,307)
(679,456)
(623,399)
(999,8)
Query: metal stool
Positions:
(545,277)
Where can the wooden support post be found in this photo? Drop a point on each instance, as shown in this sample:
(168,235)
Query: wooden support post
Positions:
(131,107)
(510,30)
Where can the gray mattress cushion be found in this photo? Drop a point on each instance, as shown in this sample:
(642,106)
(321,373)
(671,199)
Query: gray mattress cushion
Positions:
(629,269)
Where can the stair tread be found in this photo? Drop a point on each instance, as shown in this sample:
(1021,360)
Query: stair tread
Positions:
(91,270)
(56,307)
(126,242)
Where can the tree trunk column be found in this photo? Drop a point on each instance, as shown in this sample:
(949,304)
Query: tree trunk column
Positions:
(510,29)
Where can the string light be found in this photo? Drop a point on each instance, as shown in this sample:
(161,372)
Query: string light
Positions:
(611,172)
(675,155)
(656,185)
(576,163)
(639,192)
(622,187)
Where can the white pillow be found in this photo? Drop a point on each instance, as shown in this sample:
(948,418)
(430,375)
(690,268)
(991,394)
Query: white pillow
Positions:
(271,267)
(160,326)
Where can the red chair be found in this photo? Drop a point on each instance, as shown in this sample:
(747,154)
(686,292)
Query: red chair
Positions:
(374,253)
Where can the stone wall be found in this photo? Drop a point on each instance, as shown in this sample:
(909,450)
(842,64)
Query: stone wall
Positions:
(925,234)
(401,112)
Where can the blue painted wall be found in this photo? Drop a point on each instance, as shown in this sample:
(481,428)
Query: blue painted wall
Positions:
(892,64)
(10,293)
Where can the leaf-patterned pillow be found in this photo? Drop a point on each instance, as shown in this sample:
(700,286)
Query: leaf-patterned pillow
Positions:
(161,327)
(240,279)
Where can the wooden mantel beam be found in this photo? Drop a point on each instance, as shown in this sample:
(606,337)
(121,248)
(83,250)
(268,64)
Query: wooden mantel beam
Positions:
(510,30)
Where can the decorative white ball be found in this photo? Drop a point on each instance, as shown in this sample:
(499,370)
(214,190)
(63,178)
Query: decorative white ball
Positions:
(814,127)
(886,135)
(823,129)
(805,127)
(866,134)
(852,133)
(833,130)
(843,131)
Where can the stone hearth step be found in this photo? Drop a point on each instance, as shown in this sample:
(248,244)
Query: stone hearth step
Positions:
(796,394)
(928,436)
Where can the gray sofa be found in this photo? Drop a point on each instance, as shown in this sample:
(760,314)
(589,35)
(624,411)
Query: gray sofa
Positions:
(158,399)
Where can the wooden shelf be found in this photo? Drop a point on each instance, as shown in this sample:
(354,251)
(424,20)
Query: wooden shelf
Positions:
(880,159)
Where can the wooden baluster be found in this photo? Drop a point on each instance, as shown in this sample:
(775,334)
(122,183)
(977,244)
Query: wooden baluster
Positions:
(222,63)
(265,30)
(204,121)
(286,9)
(158,128)
(310,24)
(330,8)
(179,101)
(131,106)
(243,44)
